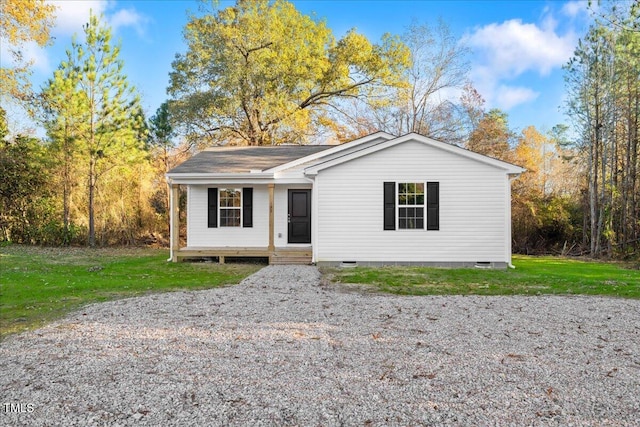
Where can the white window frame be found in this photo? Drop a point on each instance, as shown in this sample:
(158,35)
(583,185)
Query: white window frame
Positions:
(423,206)
(238,208)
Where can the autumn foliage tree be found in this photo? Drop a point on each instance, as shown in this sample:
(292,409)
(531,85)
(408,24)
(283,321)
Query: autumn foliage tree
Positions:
(21,22)
(492,136)
(546,214)
(260,72)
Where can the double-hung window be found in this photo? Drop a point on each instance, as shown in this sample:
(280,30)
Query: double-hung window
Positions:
(230,207)
(411,206)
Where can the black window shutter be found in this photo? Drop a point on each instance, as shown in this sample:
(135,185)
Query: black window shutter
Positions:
(433,206)
(212,204)
(247,207)
(389,205)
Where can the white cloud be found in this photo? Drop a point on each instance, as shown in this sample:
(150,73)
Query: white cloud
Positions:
(71,15)
(514,50)
(507,97)
(497,94)
(128,18)
(513,47)
(574,8)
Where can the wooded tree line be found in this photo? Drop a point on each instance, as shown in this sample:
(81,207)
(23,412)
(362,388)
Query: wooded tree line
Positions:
(259,72)
(603,83)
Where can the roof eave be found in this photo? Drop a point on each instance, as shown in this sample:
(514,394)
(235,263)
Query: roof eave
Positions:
(175,177)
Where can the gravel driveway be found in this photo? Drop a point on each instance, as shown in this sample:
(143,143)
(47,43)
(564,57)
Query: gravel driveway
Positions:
(282,349)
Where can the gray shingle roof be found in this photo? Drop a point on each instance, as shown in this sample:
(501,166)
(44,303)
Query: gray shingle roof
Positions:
(245,159)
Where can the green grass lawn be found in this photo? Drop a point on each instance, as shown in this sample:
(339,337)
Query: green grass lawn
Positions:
(38,285)
(532,276)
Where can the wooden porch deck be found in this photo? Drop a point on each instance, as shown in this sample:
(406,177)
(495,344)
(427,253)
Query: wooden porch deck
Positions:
(302,255)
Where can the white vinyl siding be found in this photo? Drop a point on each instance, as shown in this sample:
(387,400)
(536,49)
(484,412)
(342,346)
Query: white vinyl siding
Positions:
(200,235)
(472,208)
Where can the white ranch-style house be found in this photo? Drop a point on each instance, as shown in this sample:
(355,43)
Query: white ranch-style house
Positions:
(376,200)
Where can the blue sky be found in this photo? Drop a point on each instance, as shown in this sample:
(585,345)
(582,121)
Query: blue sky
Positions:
(518,47)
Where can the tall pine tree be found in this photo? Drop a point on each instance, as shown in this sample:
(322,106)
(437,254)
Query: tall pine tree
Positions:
(93,119)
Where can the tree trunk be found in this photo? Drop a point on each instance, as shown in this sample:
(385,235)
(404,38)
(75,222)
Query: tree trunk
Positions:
(167,199)
(593,183)
(92,187)
(596,207)
(66,190)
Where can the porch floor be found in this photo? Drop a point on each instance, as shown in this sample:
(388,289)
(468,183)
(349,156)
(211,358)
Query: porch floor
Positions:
(295,255)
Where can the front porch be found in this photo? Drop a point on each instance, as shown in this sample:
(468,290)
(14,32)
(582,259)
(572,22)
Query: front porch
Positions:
(297,250)
(301,255)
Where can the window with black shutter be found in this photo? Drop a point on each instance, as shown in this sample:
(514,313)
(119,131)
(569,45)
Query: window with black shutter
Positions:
(414,204)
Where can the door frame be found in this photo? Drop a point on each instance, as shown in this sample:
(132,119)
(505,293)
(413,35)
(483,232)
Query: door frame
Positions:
(307,218)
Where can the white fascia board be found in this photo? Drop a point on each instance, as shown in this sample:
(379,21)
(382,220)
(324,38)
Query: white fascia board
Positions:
(228,182)
(293,180)
(507,167)
(210,178)
(229,179)
(331,151)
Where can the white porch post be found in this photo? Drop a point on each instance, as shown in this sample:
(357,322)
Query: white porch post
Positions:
(315,219)
(510,178)
(174,219)
(271,247)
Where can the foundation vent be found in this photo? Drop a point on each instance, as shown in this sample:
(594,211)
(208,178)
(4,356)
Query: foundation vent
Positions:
(348,264)
(483,264)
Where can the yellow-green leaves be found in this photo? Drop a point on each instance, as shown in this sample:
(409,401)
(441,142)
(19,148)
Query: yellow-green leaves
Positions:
(22,21)
(260,73)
